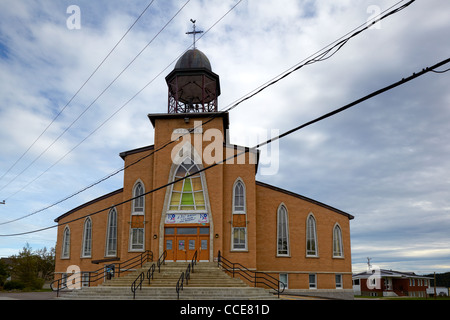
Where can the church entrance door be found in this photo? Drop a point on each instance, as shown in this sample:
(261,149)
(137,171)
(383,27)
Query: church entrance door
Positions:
(182,242)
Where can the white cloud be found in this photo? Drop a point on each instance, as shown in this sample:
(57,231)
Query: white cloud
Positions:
(384,161)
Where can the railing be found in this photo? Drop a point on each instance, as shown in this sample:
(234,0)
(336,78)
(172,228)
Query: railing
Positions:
(186,275)
(137,283)
(149,274)
(106,272)
(254,277)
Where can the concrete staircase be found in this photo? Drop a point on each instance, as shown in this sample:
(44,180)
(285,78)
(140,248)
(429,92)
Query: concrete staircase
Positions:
(207,282)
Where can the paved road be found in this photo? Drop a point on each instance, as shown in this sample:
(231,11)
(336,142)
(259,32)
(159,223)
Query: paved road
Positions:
(27,295)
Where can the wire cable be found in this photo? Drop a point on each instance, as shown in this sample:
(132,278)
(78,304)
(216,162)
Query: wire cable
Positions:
(76,93)
(84,111)
(318,56)
(109,118)
(323,117)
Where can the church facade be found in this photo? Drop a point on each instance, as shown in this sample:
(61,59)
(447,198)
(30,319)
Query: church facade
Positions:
(179,196)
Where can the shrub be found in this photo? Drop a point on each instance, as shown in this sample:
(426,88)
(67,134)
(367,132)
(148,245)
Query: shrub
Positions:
(37,284)
(13,284)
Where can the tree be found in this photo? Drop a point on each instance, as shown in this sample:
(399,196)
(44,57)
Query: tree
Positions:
(4,272)
(33,268)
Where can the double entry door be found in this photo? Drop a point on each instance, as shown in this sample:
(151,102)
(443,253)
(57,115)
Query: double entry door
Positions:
(182,242)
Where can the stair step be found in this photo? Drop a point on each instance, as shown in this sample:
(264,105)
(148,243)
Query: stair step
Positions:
(207,281)
(165,293)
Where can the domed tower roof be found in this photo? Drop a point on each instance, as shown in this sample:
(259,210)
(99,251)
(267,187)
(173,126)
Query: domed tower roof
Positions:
(193,87)
(193,58)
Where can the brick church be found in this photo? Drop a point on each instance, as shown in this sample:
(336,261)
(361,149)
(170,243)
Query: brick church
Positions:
(302,242)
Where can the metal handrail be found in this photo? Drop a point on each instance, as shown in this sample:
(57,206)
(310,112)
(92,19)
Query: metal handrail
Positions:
(134,286)
(162,260)
(102,273)
(186,275)
(255,277)
(137,283)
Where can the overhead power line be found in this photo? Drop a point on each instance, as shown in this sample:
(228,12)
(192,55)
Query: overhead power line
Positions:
(76,93)
(126,103)
(323,117)
(85,110)
(320,55)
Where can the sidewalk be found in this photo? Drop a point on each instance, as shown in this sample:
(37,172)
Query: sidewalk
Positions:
(27,295)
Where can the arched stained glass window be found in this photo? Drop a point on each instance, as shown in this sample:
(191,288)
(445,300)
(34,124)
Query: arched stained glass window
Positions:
(66,243)
(337,242)
(138,203)
(283,231)
(187,194)
(239,197)
(111,238)
(87,238)
(311,236)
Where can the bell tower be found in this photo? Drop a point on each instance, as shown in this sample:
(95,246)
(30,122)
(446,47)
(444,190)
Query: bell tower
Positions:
(193,87)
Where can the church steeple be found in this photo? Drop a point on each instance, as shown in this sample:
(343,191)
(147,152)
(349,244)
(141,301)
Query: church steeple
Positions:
(193,87)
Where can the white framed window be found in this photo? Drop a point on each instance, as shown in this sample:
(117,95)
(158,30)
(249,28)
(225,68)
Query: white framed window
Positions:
(137,239)
(85,279)
(139,202)
(187,195)
(284,279)
(337,242)
(338,278)
(87,239)
(63,280)
(111,234)
(238,197)
(282,231)
(65,250)
(239,217)
(312,281)
(239,238)
(311,237)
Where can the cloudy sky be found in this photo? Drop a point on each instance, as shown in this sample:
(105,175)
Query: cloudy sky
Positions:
(385,161)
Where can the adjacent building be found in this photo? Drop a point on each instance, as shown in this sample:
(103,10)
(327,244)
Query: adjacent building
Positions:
(384,283)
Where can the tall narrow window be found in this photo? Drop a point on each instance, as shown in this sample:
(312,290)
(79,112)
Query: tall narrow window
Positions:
(239,217)
(239,197)
(136,240)
(65,252)
(187,194)
(282,231)
(311,236)
(111,236)
(138,203)
(87,238)
(337,242)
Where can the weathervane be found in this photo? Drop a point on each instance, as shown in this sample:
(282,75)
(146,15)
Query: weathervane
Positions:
(194,32)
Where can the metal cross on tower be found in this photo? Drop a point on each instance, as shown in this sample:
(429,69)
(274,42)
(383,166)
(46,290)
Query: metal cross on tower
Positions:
(194,32)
